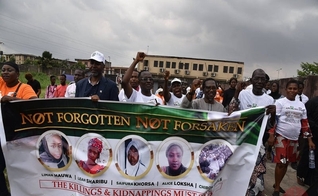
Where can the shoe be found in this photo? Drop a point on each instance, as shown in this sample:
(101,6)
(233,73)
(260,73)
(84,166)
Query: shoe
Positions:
(280,189)
(275,193)
(300,181)
(294,165)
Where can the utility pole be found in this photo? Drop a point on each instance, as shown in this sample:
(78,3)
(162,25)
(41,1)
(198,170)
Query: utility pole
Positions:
(278,70)
(1,52)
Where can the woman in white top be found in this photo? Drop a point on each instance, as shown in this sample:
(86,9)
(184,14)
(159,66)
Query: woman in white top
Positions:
(291,118)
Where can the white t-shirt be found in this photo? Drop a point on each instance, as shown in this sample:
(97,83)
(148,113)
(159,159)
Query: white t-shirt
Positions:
(121,95)
(249,100)
(70,90)
(289,115)
(304,98)
(175,101)
(137,96)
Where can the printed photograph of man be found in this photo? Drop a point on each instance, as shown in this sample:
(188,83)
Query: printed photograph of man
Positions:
(133,157)
(213,157)
(54,150)
(93,154)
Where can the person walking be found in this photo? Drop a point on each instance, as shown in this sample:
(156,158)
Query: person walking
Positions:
(292,117)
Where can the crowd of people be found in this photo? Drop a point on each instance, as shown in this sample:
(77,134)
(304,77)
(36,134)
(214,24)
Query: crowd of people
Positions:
(212,159)
(291,118)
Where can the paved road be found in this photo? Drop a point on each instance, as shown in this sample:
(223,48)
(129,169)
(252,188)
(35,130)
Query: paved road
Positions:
(289,183)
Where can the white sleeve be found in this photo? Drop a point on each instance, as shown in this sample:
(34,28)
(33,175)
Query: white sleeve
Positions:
(132,97)
(121,95)
(67,91)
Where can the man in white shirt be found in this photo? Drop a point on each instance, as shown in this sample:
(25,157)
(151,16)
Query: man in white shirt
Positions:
(71,88)
(254,98)
(134,83)
(175,97)
(300,96)
(144,95)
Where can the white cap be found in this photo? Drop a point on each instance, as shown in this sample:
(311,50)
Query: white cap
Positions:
(98,56)
(175,80)
(159,91)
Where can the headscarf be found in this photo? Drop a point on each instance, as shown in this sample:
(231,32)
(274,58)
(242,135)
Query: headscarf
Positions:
(12,64)
(275,95)
(47,157)
(139,168)
(96,143)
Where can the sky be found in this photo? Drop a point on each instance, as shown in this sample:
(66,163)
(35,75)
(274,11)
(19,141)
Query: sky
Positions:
(276,36)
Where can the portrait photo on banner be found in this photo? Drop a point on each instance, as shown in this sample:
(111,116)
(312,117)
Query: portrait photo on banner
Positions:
(54,150)
(93,154)
(134,157)
(174,157)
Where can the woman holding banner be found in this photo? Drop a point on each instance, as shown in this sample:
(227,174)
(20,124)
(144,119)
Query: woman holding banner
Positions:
(11,89)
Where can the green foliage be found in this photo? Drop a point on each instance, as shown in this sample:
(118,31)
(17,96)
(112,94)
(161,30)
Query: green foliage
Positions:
(46,60)
(2,59)
(41,77)
(308,69)
(78,65)
(6,177)
(28,61)
(12,59)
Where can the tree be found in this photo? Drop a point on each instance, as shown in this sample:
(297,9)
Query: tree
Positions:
(46,60)
(28,61)
(308,69)
(78,65)
(12,59)
(2,59)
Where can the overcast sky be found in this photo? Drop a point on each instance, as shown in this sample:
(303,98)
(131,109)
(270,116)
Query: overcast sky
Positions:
(267,34)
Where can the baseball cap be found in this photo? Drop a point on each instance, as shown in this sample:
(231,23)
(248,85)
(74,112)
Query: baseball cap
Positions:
(175,80)
(98,56)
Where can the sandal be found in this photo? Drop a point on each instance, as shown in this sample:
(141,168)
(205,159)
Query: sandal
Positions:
(280,189)
(300,181)
(275,193)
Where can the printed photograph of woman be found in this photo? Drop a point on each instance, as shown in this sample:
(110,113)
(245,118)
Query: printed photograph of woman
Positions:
(54,150)
(94,149)
(133,157)
(174,154)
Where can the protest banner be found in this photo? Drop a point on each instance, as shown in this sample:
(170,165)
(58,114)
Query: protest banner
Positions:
(79,147)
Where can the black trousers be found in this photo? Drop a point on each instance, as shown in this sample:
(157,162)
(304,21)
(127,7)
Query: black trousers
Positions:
(3,185)
(303,171)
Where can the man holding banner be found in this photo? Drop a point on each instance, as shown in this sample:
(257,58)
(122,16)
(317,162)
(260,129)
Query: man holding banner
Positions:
(255,98)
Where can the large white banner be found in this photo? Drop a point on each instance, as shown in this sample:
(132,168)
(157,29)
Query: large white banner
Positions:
(78,147)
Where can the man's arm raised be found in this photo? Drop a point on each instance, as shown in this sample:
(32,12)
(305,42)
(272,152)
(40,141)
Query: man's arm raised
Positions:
(166,92)
(125,82)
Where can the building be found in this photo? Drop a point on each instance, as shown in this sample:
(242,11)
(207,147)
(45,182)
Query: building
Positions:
(87,65)
(188,69)
(19,58)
